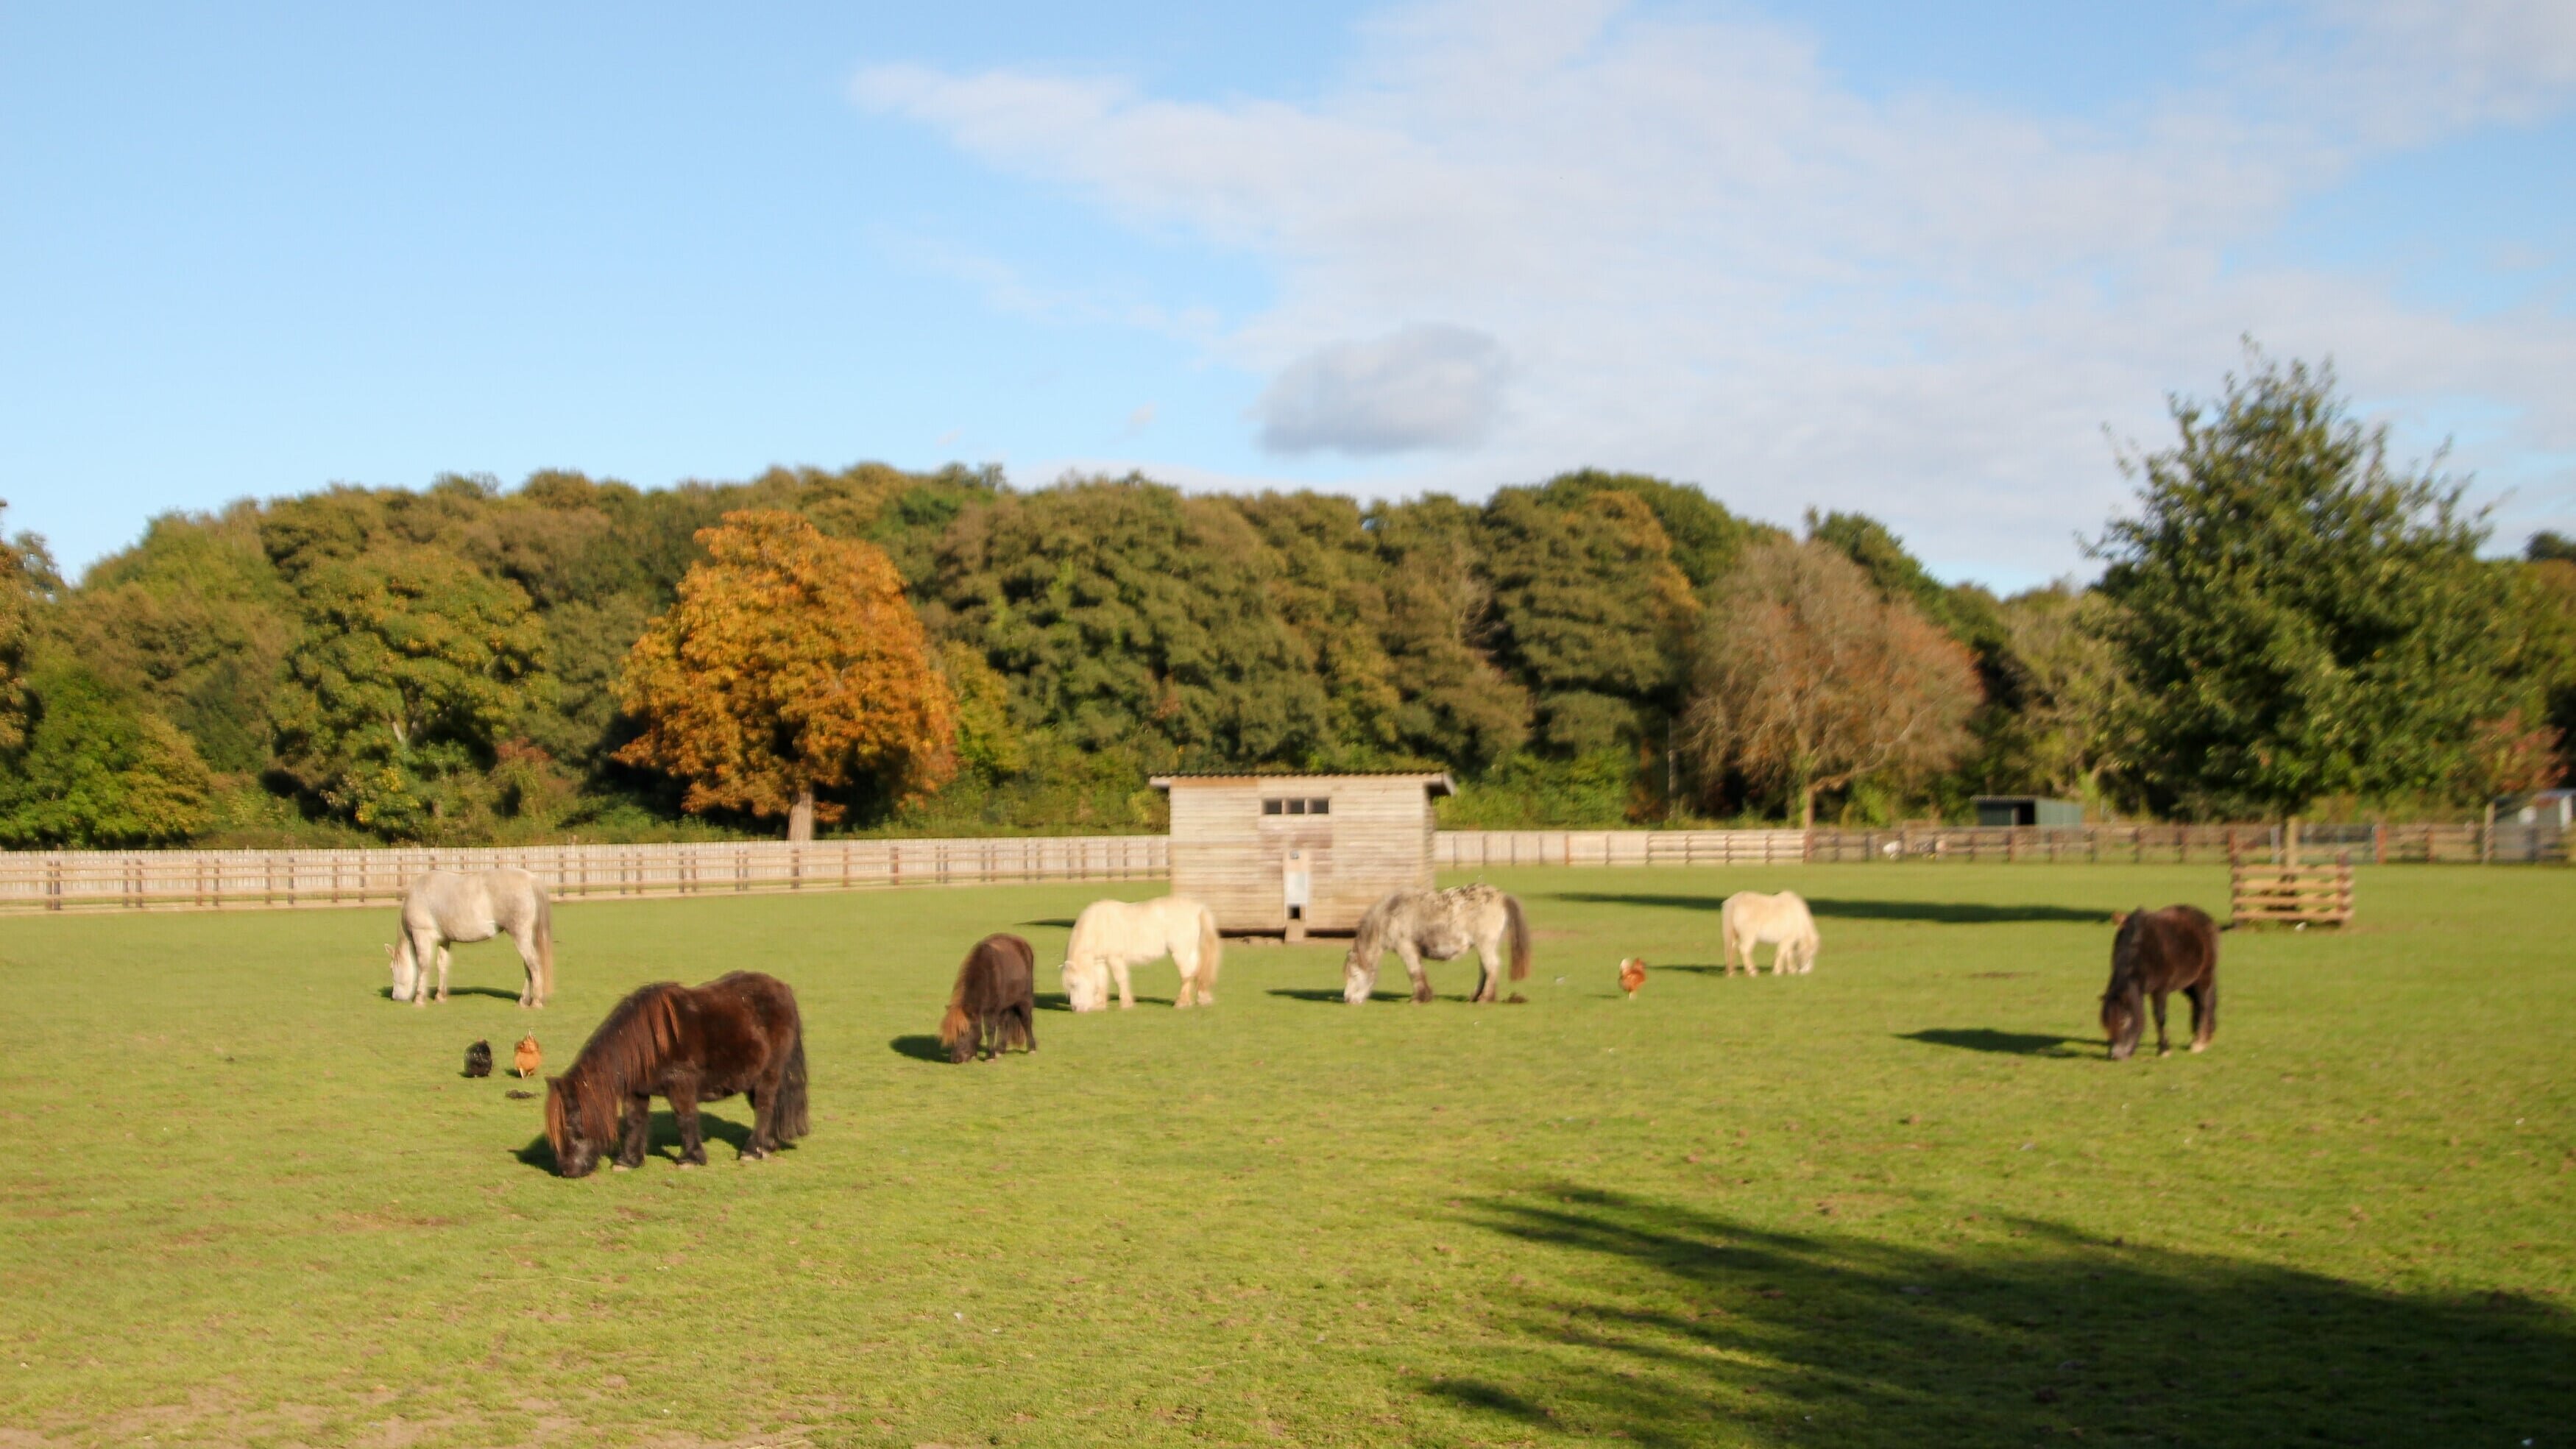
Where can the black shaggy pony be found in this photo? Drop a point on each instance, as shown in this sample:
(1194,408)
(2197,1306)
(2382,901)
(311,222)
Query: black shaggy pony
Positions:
(478,1059)
(993,1004)
(692,1044)
(2157,952)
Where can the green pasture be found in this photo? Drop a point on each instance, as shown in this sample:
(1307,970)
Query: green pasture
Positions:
(1902,1201)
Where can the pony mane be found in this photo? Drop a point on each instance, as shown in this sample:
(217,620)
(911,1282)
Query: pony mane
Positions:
(630,1046)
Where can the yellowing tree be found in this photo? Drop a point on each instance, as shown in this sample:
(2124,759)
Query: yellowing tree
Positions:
(1810,680)
(791,664)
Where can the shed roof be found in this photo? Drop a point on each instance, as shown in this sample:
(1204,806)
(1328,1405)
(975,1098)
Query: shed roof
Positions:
(1437,781)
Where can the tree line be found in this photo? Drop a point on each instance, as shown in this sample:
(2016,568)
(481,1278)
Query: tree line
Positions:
(2284,622)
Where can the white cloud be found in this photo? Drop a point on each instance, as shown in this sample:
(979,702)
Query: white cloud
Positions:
(1425,386)
(1704,258)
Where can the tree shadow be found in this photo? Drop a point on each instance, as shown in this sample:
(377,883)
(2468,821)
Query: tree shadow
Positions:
(1956,913)
(2010,1043)
(1952,913)
(1664,1324)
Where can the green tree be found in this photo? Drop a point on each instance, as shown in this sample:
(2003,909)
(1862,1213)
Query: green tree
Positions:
(412,668)
(2298,618)
(98,771)
(26,581)
(1126,616)
(1590,612)
(194,620)
(2064,737)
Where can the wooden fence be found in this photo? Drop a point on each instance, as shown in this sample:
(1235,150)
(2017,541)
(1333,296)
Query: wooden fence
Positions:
(216,879)
(2130,844)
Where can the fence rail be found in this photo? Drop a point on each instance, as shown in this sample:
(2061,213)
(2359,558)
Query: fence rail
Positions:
(215,879)
(2133,844)
(218,879)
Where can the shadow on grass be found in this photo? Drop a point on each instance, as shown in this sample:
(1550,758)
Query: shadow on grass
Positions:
(1051,1001)
(386,993)
(921,1047)
(1953,913)
(1333,996)
(1060,922)
(2010,1043)
(661,1143)
(1673,1325)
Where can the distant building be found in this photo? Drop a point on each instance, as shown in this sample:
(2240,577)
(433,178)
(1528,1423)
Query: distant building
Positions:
(2555,809)
(2027,810)
(1285,854)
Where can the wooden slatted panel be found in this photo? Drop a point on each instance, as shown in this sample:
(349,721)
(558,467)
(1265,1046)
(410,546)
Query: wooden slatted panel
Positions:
(213,880)
(2310,895)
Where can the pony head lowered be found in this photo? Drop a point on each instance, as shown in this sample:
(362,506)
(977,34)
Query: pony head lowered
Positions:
(2124,1016)
(628,1049)
(406,974)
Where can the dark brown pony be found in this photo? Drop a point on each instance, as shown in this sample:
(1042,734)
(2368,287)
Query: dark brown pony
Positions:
(692,1044)
(994,1002)
(2158,952)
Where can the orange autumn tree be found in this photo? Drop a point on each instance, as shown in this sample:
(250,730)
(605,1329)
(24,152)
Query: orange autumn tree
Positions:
(790,665)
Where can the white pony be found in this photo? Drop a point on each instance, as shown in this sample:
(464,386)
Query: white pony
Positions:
(1110,936)
(1751,918)
(443,907)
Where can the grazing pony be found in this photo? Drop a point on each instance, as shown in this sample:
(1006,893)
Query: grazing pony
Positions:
(1442,925)
(994,1002)
(1750,919)
(692,1044)
(1110,936)
(2156,952)
(443,906)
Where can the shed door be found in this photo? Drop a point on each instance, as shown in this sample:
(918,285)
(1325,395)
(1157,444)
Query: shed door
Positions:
(1297,883)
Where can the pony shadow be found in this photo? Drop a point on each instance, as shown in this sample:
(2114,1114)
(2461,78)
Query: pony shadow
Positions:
(538,1153)
(1986,1039)
(921,1047)
(1333,996)
(387,993)
(1051,1001)
(1064,923)
(1696,968)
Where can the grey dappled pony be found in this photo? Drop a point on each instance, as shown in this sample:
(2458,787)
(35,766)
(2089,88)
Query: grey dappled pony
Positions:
(1440,925)
(443,907)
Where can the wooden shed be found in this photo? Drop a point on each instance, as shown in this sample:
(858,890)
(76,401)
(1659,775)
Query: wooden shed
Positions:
(1285,854)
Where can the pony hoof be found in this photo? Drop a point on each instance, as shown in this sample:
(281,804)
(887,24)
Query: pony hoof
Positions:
(687,1166)
(2200,1046)
(2164,1051)
(619,1167)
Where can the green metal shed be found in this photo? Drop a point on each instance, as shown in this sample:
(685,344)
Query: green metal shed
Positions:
(2027,810)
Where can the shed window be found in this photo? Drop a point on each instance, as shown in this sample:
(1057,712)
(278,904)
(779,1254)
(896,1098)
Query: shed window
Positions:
(1311,805)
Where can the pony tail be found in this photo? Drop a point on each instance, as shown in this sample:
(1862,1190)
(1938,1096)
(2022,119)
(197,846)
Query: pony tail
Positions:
(1517,926)
(788,1120)
(1211,954)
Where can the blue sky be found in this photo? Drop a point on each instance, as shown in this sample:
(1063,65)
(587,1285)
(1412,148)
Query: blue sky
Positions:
(1836,255)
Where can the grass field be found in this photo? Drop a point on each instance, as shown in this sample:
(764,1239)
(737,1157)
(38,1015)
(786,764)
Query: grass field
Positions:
(1904,1200)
